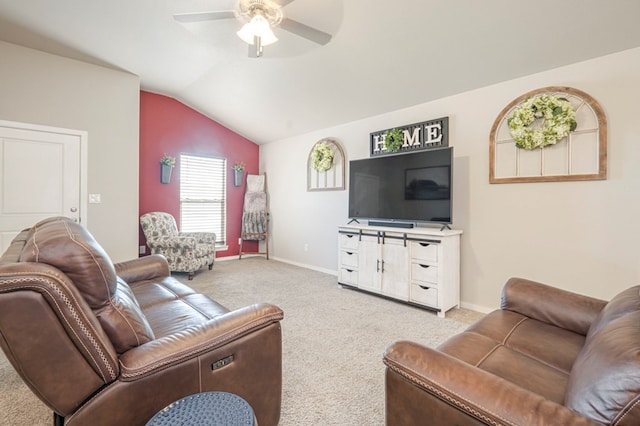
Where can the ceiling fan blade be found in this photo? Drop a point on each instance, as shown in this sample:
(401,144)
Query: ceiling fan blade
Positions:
(305,31)
(204,16)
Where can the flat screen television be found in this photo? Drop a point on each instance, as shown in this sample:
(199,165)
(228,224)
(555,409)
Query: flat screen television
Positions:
(403,189)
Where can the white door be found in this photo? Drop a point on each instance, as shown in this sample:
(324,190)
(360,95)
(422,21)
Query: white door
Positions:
(40,176)
(369,264)
(395,272)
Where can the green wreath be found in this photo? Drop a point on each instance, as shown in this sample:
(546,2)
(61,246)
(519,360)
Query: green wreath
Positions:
(556,119)
(393,140)
(322,156)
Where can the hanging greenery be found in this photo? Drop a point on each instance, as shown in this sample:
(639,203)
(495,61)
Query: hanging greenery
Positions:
(322,156)
(393,140)
(555,119)
(168,160)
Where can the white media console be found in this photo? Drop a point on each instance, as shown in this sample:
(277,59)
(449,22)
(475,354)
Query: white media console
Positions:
(419,266)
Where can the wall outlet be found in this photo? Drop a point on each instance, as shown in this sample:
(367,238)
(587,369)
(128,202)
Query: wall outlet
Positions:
(94,199)
(306,247)
(142,249)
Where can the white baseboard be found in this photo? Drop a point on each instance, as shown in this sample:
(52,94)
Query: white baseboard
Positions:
(225,258)
(304,265)
(236,257)
(477,308)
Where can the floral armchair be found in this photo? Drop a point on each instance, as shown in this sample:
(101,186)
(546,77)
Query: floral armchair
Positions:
(185,251)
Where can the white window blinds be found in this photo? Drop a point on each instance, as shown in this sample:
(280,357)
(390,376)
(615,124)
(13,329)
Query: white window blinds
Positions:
(203,195)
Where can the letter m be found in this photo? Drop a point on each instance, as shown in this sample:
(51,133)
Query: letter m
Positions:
(412,139)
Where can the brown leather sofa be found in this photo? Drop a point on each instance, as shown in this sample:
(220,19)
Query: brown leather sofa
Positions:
(547,357)
(105,344)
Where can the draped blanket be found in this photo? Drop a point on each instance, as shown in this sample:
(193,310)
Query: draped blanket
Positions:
(255,201)
(255,216)
(254,224)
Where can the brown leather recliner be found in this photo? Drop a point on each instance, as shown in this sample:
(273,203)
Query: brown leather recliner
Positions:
(547,357)
(106,344)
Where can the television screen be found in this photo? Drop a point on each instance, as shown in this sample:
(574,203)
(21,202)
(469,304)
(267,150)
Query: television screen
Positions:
(427,183)
(413,187)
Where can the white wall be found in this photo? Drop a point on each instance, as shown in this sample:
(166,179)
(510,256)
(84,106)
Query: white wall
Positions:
(580,236)
(40,88)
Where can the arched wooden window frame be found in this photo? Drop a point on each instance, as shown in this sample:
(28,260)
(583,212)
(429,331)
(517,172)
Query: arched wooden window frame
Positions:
(599,133)
(332,179)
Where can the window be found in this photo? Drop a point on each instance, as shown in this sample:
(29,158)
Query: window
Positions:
(203,195)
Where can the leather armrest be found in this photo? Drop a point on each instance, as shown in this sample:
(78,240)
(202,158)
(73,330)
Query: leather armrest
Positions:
(174,349)
(555,306)
(143,268)
(472,391)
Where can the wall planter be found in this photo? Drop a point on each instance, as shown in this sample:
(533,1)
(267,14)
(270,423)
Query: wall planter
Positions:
(166,164)
(165,173)
(238,170)
(237,177)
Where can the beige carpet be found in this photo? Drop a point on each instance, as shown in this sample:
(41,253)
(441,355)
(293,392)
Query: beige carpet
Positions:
(333,340)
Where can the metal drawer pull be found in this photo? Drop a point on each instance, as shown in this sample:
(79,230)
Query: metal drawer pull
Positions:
(424,266)
(424,244)
(424,288)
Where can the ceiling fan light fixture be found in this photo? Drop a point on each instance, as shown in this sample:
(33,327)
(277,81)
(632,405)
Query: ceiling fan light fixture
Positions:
(257,27)
(246,34)
(259,19)
(270,10)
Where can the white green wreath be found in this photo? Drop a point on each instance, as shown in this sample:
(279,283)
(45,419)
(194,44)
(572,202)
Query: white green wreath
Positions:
(393,140)
(557,116)
(322,156)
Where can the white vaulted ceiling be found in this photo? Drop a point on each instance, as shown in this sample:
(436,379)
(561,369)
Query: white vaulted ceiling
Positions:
(384,55)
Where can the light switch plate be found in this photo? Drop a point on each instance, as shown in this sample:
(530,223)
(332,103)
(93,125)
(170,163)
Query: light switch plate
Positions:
(94,198)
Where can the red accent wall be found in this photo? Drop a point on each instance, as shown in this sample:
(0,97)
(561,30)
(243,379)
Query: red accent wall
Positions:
(168,126)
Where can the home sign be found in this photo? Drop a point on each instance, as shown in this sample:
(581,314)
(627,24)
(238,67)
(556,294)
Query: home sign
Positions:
(416,137)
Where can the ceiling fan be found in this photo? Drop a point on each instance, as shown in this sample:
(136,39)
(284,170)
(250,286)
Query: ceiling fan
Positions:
(260,17)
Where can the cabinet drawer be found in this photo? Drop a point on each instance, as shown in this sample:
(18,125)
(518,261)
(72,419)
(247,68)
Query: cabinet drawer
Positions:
(424,251)
(349,258)
(424,295)
(348,276)
(424,272)
(349,241)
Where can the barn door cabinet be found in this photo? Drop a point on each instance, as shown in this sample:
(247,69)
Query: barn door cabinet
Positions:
(418,266)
